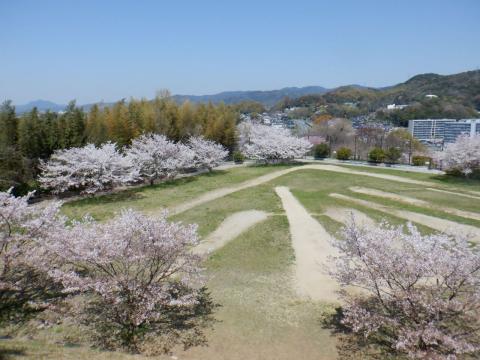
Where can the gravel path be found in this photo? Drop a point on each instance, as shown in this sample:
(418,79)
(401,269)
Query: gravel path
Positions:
(312,245)
(443,225)
(229,229)
(218,193)
(417,202)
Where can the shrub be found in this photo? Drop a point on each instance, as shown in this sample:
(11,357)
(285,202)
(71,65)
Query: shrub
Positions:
(238,157)
(321,151)
(393,154)
(376,155)
(420,160)
(344,153)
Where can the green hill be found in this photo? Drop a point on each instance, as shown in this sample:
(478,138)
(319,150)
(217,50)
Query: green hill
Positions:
(458,96)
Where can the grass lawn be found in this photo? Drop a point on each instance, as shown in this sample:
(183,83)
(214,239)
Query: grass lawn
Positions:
(260,316)
(151,198)
(443,180)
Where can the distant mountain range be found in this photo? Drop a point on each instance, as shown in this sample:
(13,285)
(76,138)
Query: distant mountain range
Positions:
(268,98)
(465,86)
(41,105)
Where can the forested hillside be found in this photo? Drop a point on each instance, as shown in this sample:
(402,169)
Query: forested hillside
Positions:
(458,96)
(26,139)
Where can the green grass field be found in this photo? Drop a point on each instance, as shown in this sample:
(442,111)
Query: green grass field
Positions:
(260,317)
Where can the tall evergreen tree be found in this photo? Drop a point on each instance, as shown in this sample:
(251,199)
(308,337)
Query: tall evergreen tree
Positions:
(30,135)
(74,126)
(96,126)
(8,125)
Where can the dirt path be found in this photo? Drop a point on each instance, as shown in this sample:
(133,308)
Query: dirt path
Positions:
(389,195)
(443,225)
(417,202)
(229,229)
(456,193)
(344,215)
(311,243)
(396,178)
(216,194)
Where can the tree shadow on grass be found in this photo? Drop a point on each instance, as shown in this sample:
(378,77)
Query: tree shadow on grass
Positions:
(279,164)
(8,352)
(137,193)
(456,180)
(350,345)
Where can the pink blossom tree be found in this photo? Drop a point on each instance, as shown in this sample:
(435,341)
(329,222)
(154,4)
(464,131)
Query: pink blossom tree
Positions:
(208,154)
(463,156)
(420,294)
(25,288)
(271,144)
(90,169)
(138,272)
(156,157)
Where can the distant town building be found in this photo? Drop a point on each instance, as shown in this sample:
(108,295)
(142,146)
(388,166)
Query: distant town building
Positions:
(439,131)
(367,121)
(396,107)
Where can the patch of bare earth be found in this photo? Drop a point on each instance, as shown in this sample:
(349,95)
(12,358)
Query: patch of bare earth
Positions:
(312,246)
(229,229)
(344,215)
(218,193)
(343,170)
(443,225)
(413,201)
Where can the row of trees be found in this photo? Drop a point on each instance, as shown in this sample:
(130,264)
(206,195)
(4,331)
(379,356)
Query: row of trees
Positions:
(134,278)
(339,133)
(32,136)
(150,157)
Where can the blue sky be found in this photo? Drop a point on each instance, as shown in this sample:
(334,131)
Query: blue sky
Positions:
(107,50)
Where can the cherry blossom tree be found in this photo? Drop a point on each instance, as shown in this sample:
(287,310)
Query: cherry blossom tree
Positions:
(25,289)
(271,144)
(156,157)
(462,156)
(140,274)
(90,169)
(420,294)
(208,154)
